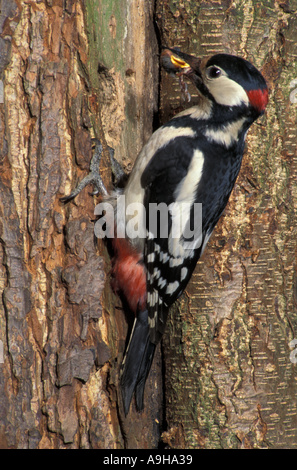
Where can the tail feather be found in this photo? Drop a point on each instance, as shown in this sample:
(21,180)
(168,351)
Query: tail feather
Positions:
(137,362)
(143,374)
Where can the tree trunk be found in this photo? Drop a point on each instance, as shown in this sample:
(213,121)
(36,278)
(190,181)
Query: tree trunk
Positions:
(72,70)
(230,379)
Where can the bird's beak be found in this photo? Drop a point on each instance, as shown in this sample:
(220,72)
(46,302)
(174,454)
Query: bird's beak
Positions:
(178,63)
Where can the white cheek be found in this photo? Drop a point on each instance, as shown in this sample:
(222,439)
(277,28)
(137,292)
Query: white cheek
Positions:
(227,92)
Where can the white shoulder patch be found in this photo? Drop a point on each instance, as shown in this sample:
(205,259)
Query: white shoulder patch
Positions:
(181,208)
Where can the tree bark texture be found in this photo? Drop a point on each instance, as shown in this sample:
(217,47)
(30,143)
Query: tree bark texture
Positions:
(230,379)
(69,71)
(72,70)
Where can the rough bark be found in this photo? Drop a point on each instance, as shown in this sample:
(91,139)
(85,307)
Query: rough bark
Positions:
(70,71)
(230,380)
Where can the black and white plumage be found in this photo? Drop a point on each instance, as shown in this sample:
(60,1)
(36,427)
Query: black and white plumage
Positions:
(194,158)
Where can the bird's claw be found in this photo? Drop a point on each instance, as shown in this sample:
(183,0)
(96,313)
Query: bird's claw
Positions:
(94,176)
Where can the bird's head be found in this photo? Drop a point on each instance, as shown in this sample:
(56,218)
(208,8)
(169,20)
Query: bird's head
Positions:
(225,79)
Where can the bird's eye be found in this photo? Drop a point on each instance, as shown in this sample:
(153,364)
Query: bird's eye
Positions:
(213,72)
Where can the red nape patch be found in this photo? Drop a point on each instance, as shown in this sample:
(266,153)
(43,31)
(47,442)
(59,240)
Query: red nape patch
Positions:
(129,274)
(258,99)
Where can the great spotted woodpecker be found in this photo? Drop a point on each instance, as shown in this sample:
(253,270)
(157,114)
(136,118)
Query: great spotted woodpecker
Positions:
(194,158)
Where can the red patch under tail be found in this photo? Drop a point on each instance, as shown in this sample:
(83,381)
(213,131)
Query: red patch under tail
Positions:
(129,274)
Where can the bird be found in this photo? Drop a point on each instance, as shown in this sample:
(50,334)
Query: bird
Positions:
(180,184)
